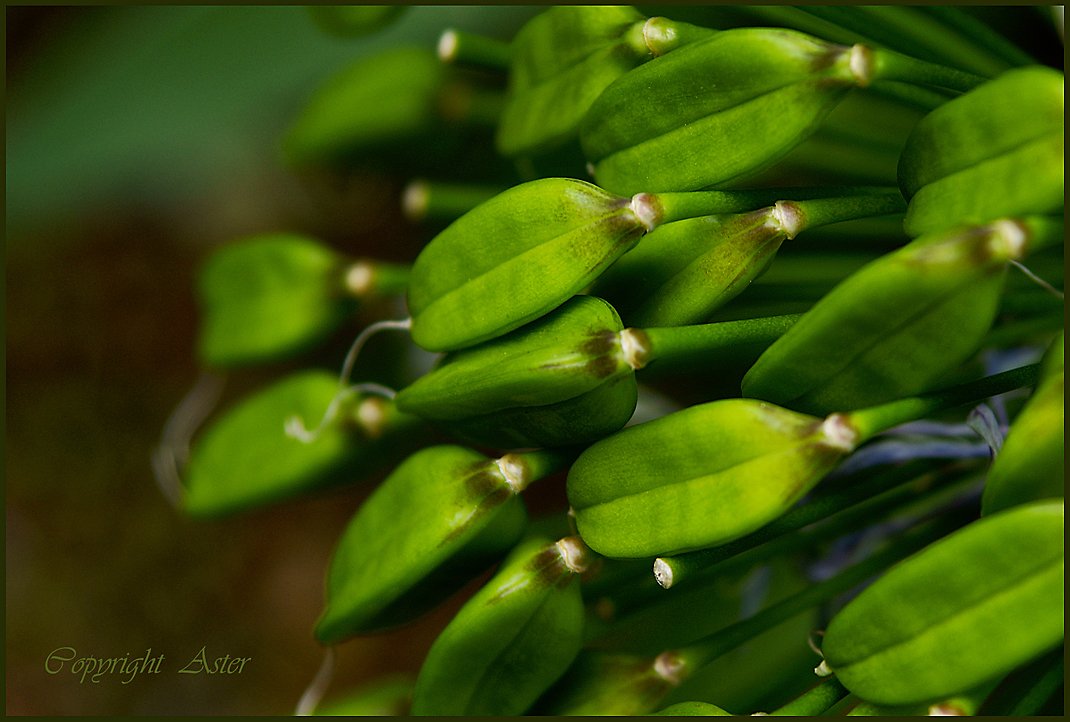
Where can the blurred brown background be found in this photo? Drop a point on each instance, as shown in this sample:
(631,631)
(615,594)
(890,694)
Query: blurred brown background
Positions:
(138,140)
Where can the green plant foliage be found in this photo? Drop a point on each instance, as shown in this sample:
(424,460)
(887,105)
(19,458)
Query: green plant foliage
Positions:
(741,379)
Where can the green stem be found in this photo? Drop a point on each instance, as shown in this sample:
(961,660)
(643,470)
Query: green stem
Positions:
(857,202)
(825,211)
(728,341)
(536,465)
(890,65)
(444,201)
(463,48)
(808,268)
(815,702)
(912,96)
(879,418)
(841,511)
(462,102)
(696,655)
(368,277)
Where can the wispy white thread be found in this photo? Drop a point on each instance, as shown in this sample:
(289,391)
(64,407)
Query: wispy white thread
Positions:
(170,457)
(318,687)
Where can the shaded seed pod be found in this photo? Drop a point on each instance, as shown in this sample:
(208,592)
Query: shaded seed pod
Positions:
(516,257)
(268,297)
(1031,463)
(354,21)
(714,110)
(969,608)
(610,684)
(444,515)
(896,326)
(700,477)
(387,697)
(993,152)
(692,709)
(564,58)
(245,459)
(513,639)
(555,371)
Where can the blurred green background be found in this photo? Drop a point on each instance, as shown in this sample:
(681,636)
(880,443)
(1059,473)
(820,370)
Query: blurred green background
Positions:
(139,139)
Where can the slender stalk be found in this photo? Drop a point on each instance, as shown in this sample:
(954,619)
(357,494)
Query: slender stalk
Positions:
(729,341)
(680,206)
(721,642)
(438,200)
(824,211)
(913,96)
(526,467)
(879,418)
(463,48)
(890,65)
(816,701)
(839,512)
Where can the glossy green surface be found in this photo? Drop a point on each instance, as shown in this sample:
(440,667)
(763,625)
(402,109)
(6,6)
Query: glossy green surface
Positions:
(445,514)
(713,110)
(268,297)
(891,329)
(696,478)
(514,258)
(693,709)
(993,152)
(968,608)
(508,643)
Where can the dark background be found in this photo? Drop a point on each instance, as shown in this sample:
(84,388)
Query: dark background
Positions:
(139,139)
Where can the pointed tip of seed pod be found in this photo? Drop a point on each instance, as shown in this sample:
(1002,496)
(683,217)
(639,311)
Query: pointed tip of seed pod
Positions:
(647,210)
(839,433)
(515,472)
(823,670)
(659,36)
(1010,239)
(662,573)
(635,347)
(414,200)
(789,217)
(360,278)
(447,46)
(861,63)
(670,667)
(576,555)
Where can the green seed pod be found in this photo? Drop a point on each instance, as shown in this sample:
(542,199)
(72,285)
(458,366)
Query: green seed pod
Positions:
(536,369)
(896,326)
(610,684)
(516,257)
(996,151)
(272,296)
(700,477)
(692,709)
(715,110)
(445,514)
(389,697)
(513,639)
(354,21)
(564,58)
(245,459)
(388,98)
(1031,463)
(971,607)
(1052,363)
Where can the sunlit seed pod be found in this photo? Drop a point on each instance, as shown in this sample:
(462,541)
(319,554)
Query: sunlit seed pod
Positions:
(267,297)
(513,639)
(444,515)
(714,110)
(894,327)
(968,608)
(993,152)
(700,477)
(516,257)
(245,459)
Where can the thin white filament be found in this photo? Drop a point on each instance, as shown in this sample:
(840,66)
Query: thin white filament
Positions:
(1038,280)
(170,457)
(306,706)
(295,426)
